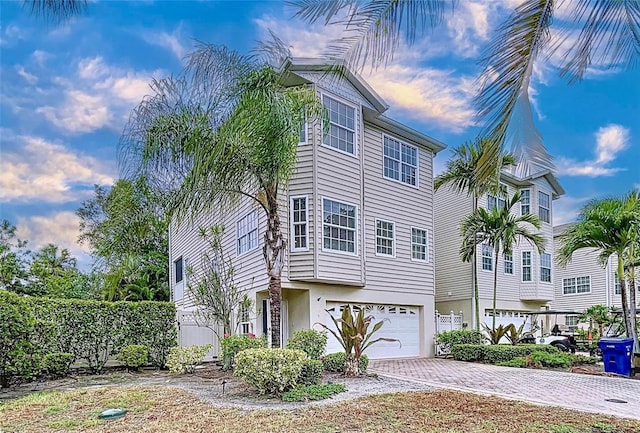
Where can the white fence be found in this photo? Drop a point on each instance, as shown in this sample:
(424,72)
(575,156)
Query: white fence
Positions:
(190,333)
(447,322)
(508,317)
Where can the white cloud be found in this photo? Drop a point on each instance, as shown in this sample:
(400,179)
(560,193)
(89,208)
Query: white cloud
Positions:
(469,27)
(48,172)
(40,57)
(80,112)
(173,42)
(566,209)
(610,141)
(30,78)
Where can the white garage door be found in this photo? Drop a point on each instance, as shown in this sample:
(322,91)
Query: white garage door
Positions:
(400,322)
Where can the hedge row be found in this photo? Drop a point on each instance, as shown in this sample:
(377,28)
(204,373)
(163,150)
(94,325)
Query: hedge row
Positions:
(92,331)
(496,353)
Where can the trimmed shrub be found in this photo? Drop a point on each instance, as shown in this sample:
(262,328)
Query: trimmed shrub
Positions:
(313,392)
(134,356)
(17,352)
(468,352)
(310,341)
(447,339)
(185,359)
(270,371)
(582,359)
(539,359)
(502,352)
(311,373)
(334,362)
(233,344)
(56,365)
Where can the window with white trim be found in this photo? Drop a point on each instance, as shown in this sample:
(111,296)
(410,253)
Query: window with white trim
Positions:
(545,267)
(244,321)
(247,233)
(526,266)
(303,133)
(544,207)
(571,320)
(617,287)
(341,134)
(178,270)
(419,245)
(508,263)
(487,257)
(338,226)
(525,201)
(400,161)
(385,238)
(299,224)
(572,286)
(499,200)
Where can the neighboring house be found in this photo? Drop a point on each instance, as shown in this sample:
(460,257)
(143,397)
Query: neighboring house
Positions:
(525,278)
(358,215)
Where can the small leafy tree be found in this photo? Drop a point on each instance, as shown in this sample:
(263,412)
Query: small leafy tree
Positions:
(598,314)
(12,261)
(352,332)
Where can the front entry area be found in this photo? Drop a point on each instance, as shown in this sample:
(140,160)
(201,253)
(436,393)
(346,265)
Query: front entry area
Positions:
(400,322)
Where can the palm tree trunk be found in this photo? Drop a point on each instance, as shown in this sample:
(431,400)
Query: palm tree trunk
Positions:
(632,301)
(274,246)
(495,288)
(623,295)
(474,270)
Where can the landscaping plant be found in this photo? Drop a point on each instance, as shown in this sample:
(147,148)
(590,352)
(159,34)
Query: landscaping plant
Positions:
(313,392)
(335,362)
(270,371)
(311,373)
(134,356)
(185,359)
(310,341)
(354,335)
(56,365)
(447,339)
(233,344)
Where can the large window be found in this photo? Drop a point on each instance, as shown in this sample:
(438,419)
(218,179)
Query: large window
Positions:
(400,161)
(572,286)
(487,257)
(419,245)
(179,270)
(342,126)
(338,226)
(247,233)
(499,200)
(525,201)
(384,238)
(299,224)
(508,263)
(544,206)
(545,267)
(526,266)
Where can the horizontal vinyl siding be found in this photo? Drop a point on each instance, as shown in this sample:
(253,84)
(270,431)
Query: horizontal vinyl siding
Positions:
(406,206)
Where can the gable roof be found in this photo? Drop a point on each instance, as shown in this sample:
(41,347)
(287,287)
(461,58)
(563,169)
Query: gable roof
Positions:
(528,181)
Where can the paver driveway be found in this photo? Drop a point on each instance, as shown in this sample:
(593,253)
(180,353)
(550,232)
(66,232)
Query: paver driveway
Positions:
(571,390)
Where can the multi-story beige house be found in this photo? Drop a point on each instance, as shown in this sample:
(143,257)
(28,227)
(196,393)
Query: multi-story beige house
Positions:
(525,277)
(358,214)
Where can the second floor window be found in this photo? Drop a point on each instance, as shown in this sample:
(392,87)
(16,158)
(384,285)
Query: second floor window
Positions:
(400,161)
(384,238)
(525,201)
(526,266)
(572,286)
(419,245)
(544,207)
(299,223)
(338,226)
(487,257)
(617,288)
(508,263)
(342,126)
(247,233)
(545,267)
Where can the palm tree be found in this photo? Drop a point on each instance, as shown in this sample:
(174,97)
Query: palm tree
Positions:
(611,226)
(460,176)
(226,129)
(501,229)
(374,29)
(57,10)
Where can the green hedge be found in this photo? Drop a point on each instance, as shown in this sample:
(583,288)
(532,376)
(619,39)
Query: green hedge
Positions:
(270,371)
(92,331)
(335,362)
(496,353)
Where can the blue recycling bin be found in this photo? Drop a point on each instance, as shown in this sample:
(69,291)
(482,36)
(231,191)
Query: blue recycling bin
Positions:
(616,354)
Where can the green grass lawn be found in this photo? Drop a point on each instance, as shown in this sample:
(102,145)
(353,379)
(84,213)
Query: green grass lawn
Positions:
(163,409)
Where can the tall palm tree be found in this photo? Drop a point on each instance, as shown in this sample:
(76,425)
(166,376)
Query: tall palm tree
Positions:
(611,226)
(227,128)
(460,176)
(375,28)
(56,10)
(501,229)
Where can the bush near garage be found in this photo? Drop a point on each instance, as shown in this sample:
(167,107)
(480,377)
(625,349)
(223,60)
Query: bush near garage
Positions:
(270,371)
(310,341)
(233,344)
(447,339)
(311,373)
(539,359)
(496,353)
(334,362)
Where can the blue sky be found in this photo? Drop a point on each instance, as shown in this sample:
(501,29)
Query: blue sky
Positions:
(67,90)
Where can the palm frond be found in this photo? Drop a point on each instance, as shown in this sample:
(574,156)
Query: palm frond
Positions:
(610,36)
(56,10)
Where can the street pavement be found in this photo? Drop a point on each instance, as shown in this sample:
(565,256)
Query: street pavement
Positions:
(583,392)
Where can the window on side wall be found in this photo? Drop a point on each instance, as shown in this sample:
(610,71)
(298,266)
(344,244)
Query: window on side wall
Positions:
(544,207)
(385,237)
(617,288)
(342,126)
(508,263)
(525,201)
(526,266)
(178,267)
(583,284)
(571,321)
(499,200)
(487,257)
(299,224)
(545,267)
(419,245)
(338,226)
(400,161)
(247,233)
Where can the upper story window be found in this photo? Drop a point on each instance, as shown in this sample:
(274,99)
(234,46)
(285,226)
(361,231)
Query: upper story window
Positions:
(338,226)
(342,126)
(179,270)
(385,236)
(499,200)
(400,161)
(299,224)
(508,263)
(545,267)
(617,287)
(487,257)
(247,233)
(419,245)
(303,133)
(526,266)
(525,201)
(544,207)
(572,286)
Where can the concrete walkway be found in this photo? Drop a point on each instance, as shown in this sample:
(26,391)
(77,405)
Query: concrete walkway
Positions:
(570,390)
